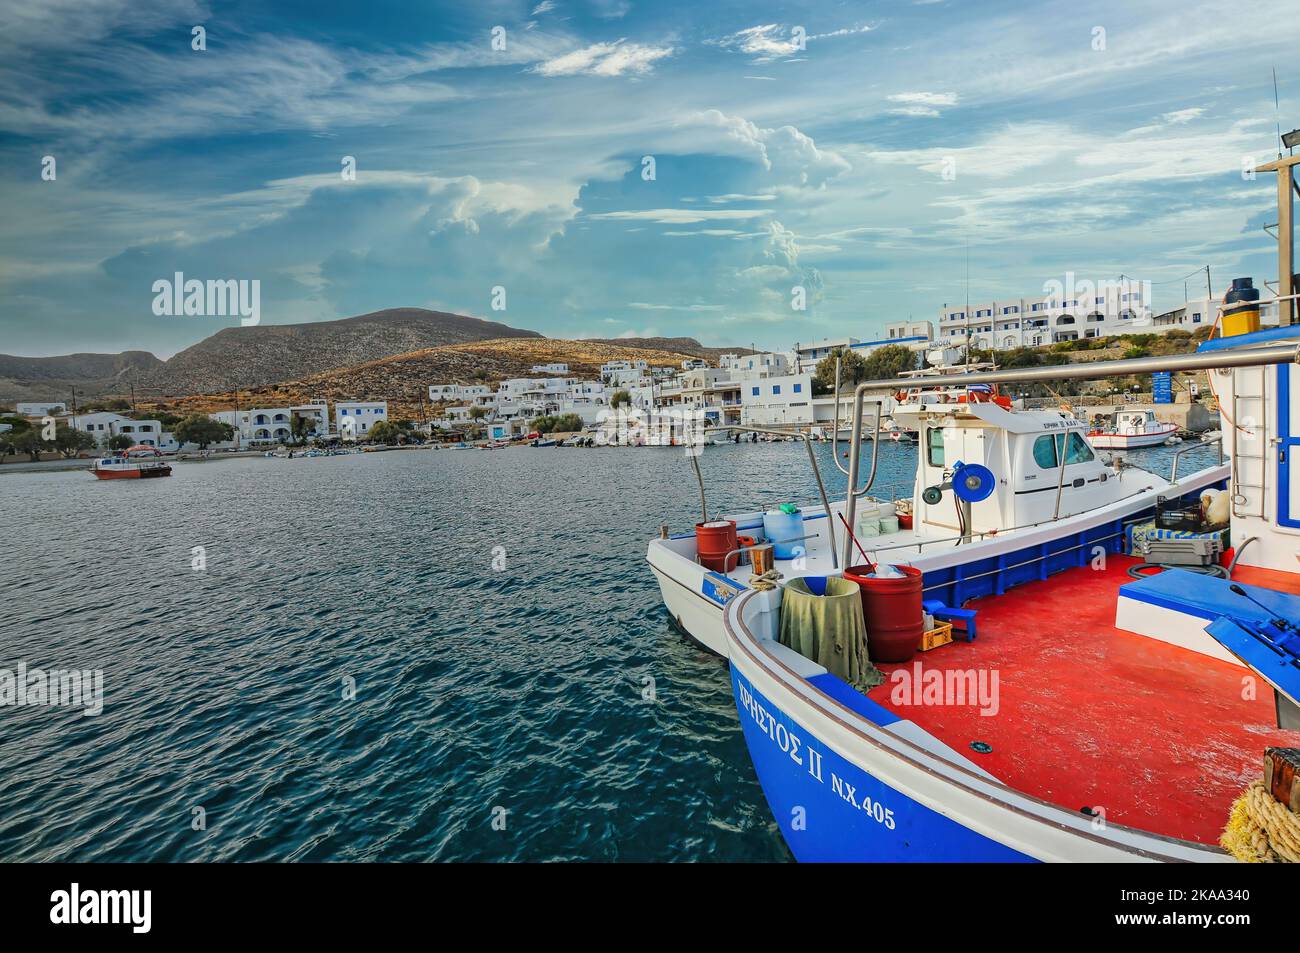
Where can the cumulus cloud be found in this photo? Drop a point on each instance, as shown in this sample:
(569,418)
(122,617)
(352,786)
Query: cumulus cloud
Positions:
(793,157)
(606,59)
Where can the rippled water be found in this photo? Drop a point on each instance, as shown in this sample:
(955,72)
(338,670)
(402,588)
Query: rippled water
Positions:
(476,690)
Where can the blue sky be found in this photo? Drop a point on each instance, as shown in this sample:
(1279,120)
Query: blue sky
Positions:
(775,166)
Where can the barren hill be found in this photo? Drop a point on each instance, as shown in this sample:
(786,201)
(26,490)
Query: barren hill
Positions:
(52,378)
(687,346)
(241,357)
(404,378)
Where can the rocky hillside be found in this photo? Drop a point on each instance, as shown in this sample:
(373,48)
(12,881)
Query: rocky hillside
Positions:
(687,346)
(254,357)
(402,379)
(52,378)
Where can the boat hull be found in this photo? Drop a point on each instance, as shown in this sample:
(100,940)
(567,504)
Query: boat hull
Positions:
(831,810)
(1115,441)
(860,784)
(698,616)
(132,474)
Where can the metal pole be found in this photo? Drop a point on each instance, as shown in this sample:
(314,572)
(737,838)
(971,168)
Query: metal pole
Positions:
(855,448)
(704,510)
(1060,474)
(1196,361)
(1285,243)
(821,488)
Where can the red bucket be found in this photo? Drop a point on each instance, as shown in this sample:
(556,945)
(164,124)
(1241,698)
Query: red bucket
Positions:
(892,610)
(713,540)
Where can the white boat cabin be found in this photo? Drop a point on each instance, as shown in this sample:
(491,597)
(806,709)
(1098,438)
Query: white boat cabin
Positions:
(1023,449)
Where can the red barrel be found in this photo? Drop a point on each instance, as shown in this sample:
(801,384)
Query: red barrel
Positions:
(713,540)
(892,610)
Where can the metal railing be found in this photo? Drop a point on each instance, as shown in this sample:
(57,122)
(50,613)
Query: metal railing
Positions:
(856,438)
(812,459)
(772,542)
(1217,441)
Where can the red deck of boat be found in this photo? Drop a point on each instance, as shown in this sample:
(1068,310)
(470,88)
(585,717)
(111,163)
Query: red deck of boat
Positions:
(1089,715)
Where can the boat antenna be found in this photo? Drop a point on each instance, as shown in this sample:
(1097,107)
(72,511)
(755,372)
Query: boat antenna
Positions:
(1277,114)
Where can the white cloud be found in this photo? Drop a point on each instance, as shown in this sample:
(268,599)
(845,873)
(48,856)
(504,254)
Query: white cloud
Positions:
(766,42)
(774,41)
(680,216)
(789,154)
(925,105)
(643,306)
(546,6)
(1180,116)
(606,59)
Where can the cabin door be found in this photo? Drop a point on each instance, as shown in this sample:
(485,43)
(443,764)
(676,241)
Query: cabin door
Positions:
(1288,445)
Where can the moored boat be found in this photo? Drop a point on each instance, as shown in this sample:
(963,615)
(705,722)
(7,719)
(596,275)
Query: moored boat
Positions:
(134,463)
(1061,732)
(1131,430)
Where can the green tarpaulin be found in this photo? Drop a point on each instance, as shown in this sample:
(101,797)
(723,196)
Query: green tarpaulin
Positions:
(829,630)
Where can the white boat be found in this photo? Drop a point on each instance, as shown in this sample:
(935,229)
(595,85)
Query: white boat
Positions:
(1105,678)
(1042,497)
(1132,429)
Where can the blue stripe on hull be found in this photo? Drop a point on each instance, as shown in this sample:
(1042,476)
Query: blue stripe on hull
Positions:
(994,575)
(831,810)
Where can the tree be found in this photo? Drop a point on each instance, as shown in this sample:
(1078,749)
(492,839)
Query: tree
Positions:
(887,362)
(203,430)
(119,441)
(852,371)
(71,442)
(18,423)
(564,423)
(29,442)
(478,413)
(385,431)
(302,427)
(620,397)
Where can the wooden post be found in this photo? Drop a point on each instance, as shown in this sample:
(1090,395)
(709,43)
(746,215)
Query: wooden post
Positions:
(1285,169)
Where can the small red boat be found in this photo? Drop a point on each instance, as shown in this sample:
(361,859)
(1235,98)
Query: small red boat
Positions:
(135,463)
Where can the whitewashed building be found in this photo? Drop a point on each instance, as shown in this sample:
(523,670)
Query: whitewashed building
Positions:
(103,426)
(1080,311)
(354,418)
(776,401)
(40,409)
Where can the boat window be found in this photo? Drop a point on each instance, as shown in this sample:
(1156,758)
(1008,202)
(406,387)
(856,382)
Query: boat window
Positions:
(1079,451)
(934,446)
(1045,452)
(1048,446)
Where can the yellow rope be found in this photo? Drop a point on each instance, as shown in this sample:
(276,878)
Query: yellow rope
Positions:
(764,582)
(1260,830)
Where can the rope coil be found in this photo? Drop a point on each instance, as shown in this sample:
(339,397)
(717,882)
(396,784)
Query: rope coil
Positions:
(1262,830)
